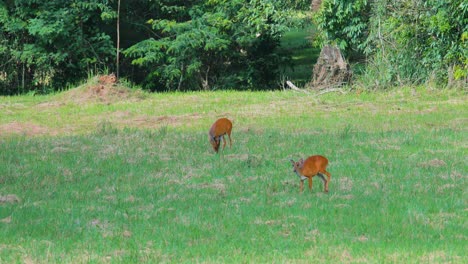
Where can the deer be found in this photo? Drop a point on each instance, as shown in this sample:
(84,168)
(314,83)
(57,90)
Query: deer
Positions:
(312,166)
(217,131)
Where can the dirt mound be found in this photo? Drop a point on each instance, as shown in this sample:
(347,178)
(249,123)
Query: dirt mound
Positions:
(107,79)
(103,88)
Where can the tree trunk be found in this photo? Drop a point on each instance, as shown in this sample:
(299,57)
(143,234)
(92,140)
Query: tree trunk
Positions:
(315,5)
(118,42)
(331,69)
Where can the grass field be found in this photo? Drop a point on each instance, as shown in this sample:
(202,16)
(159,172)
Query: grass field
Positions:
(132,178)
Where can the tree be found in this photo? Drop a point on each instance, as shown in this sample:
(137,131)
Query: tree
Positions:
(213,44)
(344,23)
(117,61)
(47,44)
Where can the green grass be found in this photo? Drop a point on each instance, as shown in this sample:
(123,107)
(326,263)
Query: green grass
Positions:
(136,180)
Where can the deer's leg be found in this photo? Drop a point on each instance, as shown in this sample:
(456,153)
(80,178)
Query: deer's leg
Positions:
(310,183)
(230,141)
(224,142)
(327,181)
(218,142)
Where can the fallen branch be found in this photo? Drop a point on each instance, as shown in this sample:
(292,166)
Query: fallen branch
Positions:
(294,87)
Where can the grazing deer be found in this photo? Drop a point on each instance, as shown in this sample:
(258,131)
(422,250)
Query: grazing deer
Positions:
(312,166)
(220,128)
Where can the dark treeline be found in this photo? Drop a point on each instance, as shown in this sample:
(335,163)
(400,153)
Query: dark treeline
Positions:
(165,45)
(216,44)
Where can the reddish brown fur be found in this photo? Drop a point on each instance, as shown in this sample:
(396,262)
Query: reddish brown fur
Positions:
(312,166)
(220,128)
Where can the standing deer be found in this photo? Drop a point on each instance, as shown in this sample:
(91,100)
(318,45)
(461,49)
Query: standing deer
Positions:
(312,166)
(220,128)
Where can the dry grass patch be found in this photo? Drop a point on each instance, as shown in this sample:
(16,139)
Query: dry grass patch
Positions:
(434,163)
(128,119)
(440,257)
(343,197)
(9,199)
(6,220)
(446,187)
(241,200)
(386,144)
(287,203)
(270,222)
(344,255)
(216,186)
(361,238)
(24,128)
(454,175)
(312,235)
(344,184)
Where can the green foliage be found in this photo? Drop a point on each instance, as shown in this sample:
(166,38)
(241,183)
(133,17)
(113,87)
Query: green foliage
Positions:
(344,23)
(216,44)
(427,32)
(303,5)
(443,45)
(47,44)
(405,41)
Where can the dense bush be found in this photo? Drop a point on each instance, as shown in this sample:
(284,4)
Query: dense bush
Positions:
(409,41)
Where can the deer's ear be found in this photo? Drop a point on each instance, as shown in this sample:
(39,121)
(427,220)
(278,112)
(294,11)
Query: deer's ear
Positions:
(293,162)
(301,161)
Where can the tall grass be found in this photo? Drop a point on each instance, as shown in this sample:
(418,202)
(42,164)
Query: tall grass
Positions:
(128,194)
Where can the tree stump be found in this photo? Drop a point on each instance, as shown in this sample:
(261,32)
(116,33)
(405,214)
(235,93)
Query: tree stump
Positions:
(331,69)
(315,5)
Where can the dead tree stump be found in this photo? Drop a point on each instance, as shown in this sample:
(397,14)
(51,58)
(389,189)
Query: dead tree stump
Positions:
(315,5)
(331,69)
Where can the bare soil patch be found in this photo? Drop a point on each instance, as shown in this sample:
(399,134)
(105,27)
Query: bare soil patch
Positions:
(28,129)
(157,121)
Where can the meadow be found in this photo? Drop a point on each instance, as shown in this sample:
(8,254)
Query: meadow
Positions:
(133,179)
